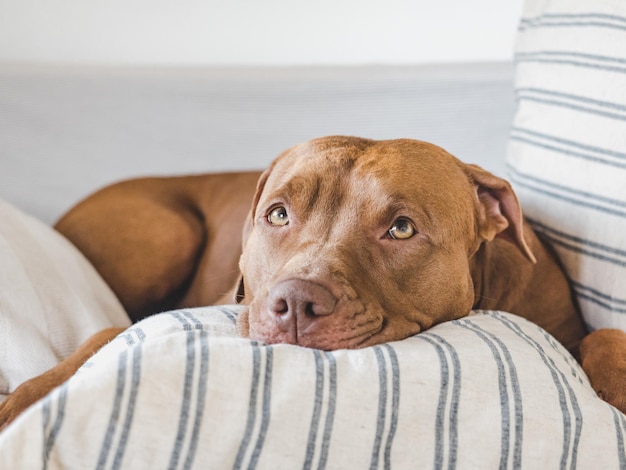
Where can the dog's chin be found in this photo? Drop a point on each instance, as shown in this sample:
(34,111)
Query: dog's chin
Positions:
(321,342)
(325,340)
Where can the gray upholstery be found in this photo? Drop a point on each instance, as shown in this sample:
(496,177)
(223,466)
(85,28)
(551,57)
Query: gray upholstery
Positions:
(65,131)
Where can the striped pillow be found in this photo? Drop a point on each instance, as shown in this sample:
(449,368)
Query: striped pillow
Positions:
(181,390)
(567,151)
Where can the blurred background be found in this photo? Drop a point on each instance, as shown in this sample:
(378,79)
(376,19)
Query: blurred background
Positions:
(256,32)
(96,91)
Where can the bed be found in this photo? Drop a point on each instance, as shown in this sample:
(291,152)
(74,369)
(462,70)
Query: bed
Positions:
(181,390)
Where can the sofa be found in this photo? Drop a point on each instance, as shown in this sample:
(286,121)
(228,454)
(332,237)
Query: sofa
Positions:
(180,389)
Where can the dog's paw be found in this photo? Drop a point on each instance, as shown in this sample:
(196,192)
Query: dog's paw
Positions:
(7,413)
(23,397)
(603,358)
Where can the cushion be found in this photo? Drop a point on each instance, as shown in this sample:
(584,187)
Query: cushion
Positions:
(51,300)
(181,390)
(567,151)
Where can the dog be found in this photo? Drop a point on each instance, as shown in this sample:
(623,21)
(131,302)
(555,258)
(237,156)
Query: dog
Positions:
(348,243)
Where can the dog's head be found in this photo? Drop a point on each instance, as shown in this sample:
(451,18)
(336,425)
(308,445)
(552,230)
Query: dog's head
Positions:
(353,242)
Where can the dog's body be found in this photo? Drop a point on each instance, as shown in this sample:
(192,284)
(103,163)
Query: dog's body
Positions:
(350,242)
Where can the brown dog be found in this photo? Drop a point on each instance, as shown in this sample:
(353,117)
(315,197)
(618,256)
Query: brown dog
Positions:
(349,243)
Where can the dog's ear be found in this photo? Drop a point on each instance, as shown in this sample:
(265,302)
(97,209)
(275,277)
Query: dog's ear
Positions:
(260,185)
(240,292)
(500,214)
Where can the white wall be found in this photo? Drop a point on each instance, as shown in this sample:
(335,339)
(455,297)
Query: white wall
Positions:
(261,32)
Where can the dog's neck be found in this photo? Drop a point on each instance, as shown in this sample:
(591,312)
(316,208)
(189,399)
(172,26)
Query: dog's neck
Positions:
(500,274)
(506,280)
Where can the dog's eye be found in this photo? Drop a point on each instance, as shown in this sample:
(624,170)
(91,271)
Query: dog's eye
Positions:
(278,216)
(402,229)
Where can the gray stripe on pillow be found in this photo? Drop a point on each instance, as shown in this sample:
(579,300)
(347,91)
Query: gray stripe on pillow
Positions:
(573,107)
(454,399)
(187,391)
(551,20)
(382,406)
(591,254)
(130,407)
(568,152)
(577,202)
(177,314)
(560,234)
(134,332)
(620,428)
(252,404)
(443,395)
(395,401)
(317,409)
(50,437)
(563,16)
(201,386)
(569,143)
(600,298)
(46,412)
(115,410)
(580,250)
(503,366)
(197,324)
(265,410)
(330,413)
(570,442)
(128,337)
(552,342)
(554,233)
(230,314)
(131,337)
(444,391)
(530,92)
(593,61)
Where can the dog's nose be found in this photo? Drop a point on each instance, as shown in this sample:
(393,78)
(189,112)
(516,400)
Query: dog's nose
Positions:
(299,301)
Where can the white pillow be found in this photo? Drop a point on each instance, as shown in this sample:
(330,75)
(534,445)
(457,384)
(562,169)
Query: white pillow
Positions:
(51,298)
(181,390)
(567,152)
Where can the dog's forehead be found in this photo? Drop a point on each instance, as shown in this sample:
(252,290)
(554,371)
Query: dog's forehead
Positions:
(305,167)
(319,156)
(393,166)
(370,185)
